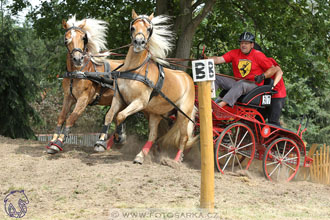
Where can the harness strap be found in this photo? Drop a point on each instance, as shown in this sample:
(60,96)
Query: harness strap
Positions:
(107,69)
(116,74)
(146,81)
(71,80)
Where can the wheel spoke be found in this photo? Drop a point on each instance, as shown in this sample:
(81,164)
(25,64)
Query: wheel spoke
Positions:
(225,155)
(278,173)
(272,163)
(227,161)
(277,149)
(238,129)
(239,163)
(289,166)
(244,146)
(243,138)
(273,155)
(233,164)
(231,140)
(223,145)
(284,148)
(291,158)
(274,169)
(288,152)
(245,155)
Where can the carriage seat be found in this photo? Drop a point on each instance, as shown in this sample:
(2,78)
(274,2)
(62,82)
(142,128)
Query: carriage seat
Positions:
(258,97)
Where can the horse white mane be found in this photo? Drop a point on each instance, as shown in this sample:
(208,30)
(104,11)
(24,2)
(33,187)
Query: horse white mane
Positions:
(162,39)
(96,32)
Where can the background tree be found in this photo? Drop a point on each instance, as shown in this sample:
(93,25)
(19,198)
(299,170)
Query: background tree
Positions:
(295,33)
(17,85)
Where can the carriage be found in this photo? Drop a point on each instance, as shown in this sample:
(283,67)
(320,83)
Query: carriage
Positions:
(240,135)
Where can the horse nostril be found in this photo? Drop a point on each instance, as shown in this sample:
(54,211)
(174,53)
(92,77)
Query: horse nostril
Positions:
(143,42)
(135,41)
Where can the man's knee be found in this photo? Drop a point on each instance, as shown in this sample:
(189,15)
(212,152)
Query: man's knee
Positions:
(245,87)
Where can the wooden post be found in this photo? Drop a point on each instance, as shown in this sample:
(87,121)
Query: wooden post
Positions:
(204,74)
(206,144)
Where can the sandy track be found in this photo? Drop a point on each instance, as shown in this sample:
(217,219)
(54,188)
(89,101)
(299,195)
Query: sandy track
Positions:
(80,184)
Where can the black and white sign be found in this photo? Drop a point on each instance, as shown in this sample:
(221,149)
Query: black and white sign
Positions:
(203,70)
(266,99)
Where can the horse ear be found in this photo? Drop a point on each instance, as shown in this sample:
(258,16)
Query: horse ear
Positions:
(134,15)
(64,24)
(82,24)
(151,16)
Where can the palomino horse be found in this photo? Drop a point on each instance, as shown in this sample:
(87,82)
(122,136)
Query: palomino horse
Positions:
(83,39)
(144,85)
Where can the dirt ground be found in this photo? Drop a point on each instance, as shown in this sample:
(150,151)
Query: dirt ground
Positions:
(80,184)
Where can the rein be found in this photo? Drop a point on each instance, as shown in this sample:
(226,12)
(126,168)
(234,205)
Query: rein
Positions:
(173,61)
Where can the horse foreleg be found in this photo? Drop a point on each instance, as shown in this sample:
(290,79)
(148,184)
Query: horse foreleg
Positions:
(120,134)
(81,105)
(101,144)
(153,131)
(132,108)
(66,106)
(183,138)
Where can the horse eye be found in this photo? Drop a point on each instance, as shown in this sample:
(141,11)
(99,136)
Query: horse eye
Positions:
(149,29)
(65,41)
(132,29)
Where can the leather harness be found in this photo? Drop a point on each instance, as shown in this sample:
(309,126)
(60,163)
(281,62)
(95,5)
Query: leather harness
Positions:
(102,78)
(129,74)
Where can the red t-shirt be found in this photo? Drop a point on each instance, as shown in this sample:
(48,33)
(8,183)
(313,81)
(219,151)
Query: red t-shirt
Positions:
(280,87)
(248,66)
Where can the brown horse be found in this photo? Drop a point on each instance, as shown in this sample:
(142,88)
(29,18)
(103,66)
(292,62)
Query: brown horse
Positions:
(143,86)
(83,39)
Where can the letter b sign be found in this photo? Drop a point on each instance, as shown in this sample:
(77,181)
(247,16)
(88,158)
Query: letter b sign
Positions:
(203,70)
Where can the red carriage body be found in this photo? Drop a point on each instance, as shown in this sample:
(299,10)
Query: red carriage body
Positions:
(240,135)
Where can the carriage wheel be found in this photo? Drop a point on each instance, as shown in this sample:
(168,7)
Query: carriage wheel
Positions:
(281,160)
(235,144)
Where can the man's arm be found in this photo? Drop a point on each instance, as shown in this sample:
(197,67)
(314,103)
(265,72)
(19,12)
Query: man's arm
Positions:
(267,74)
(278,75)
(217,60)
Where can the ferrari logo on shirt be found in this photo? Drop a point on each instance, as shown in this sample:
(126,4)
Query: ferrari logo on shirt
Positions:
(244,67)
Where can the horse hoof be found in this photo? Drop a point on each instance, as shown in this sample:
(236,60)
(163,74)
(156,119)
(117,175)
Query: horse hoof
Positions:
(53,149)
(100,146)
(138,160)
(119,139)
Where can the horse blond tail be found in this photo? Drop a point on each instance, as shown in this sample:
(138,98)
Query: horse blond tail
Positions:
(172,137)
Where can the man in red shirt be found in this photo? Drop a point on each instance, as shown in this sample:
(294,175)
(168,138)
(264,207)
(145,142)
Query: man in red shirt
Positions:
(247,63)
(273,112)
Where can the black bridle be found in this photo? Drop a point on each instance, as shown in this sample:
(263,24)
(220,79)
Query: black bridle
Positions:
(77,49)
(143,18)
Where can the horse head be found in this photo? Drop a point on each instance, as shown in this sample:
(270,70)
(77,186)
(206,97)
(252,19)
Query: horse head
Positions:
(141,30)
(76,40)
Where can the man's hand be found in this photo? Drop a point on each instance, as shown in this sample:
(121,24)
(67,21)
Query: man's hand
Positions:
(203,56)
(259,78)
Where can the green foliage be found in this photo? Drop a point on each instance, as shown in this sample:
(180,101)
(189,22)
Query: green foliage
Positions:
(17,82)
(48,18)
(296,34)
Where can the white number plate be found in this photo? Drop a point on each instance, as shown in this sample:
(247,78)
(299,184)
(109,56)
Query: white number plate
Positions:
(266,99)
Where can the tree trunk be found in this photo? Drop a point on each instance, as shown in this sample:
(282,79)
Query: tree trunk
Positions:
(186,23)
